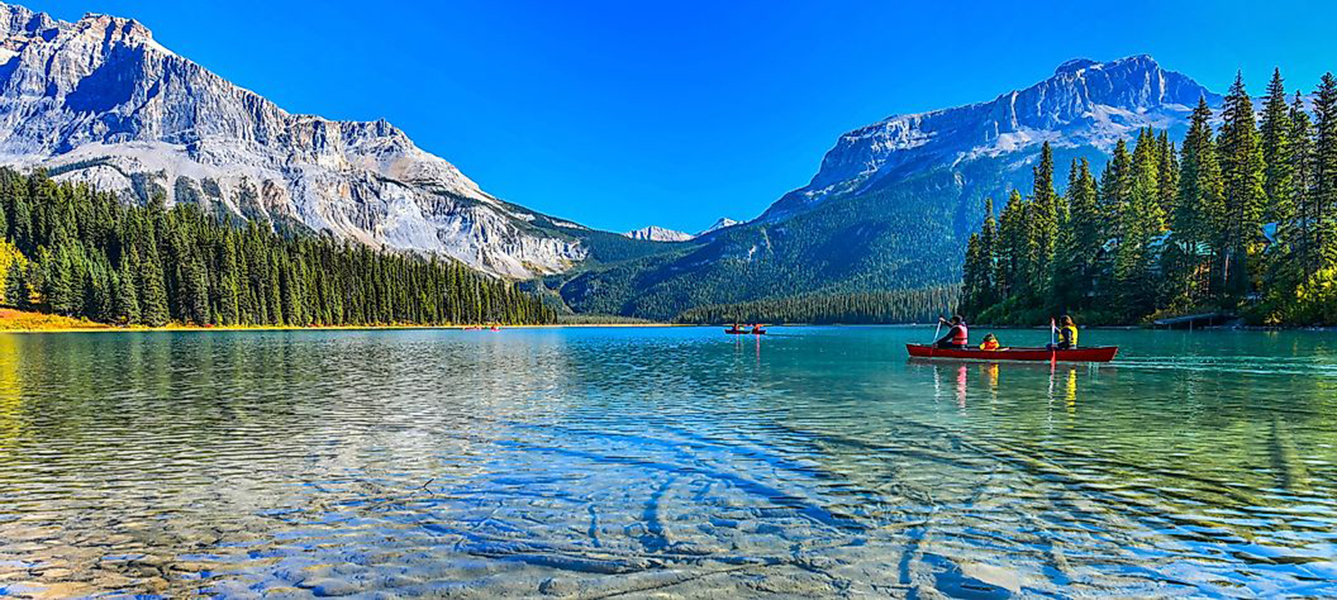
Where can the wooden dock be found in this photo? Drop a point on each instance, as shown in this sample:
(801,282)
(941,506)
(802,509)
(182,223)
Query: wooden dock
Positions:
(1195,321)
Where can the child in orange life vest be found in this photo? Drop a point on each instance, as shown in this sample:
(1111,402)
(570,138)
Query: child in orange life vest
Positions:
(990,343)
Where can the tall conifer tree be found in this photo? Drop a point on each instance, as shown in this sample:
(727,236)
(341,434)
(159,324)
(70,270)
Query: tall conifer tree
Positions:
(1302,187)
(1275,131)
(1044,219)
(1324,197)
(1242,175)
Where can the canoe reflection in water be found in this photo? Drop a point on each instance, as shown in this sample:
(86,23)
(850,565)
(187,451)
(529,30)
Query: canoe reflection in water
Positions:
(1061,383)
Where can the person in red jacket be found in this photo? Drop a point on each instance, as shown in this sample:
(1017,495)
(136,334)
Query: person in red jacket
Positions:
(958,336)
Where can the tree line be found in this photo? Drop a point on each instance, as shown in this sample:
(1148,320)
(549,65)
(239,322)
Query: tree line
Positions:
(74,251)
(907,306)
(1240,218)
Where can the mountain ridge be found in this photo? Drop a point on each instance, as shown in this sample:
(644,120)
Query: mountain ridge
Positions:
(656,233)
(892,202)
(1080,104)
(99,100)
(888,208)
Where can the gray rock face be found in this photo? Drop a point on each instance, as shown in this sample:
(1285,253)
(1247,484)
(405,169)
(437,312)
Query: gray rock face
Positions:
(894,202)
(721,223)
(100,101)
(655,233)
(1084,104)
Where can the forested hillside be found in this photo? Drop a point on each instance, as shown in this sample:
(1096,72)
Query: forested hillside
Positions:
(890,237)
(1242,219)
(73,251)
(893,202)
(910,306)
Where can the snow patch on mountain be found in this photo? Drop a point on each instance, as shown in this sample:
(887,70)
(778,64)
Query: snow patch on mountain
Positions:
(658,234)
(1084,104)
(99,100)
(722,223)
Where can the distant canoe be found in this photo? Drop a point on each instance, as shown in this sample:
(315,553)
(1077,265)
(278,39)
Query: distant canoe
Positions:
(1095,354)
(744,332)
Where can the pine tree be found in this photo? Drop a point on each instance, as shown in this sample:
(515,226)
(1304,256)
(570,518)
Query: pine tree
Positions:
(1116,185)
(154,310)
(17,291)
(196,291)
(973,278)
(989,252)
(60,281)
(127,295)
(99,293)
(1324,195)
(1044,219)
(1140,225)
(1145,194)
(1013,246)
(1198,207)
(1302,187)
(1275,132)
(1081,241)
(1242,174)
(1167,184)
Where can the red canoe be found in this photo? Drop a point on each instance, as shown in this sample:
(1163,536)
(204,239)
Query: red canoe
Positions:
(744,332)
(1094,354)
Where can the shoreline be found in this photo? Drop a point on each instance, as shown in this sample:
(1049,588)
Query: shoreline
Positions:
(200,329)
(92,327)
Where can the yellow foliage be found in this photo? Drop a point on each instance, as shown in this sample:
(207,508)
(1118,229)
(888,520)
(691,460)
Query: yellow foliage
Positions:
(1316,298)
(9,257)
(20,320)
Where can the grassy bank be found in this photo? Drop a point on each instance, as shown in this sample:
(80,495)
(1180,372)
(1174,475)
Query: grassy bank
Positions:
(17,320)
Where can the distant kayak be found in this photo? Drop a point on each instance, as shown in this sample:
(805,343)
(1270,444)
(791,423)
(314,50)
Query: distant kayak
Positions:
(1095,354)
(744,332)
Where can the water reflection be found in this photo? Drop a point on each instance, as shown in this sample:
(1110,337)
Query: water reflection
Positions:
(675,462)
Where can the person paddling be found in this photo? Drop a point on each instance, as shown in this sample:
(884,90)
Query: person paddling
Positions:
(957,337)
(1067,333)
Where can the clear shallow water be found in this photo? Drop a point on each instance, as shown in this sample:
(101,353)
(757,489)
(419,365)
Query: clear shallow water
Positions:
(671,462)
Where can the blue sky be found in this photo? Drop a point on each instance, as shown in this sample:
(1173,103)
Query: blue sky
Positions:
(625,114)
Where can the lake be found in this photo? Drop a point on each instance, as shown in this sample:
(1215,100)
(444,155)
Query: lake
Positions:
(664,461)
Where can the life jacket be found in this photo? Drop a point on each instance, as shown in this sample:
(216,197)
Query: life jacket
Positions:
(960,335)
(989,345)
(1070,333)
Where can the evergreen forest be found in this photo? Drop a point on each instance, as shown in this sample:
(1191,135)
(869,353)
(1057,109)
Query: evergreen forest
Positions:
(74,251)
(1240,218)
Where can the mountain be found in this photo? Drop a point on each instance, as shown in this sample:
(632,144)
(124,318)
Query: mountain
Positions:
(100,101)
(1085,105)
(722,223)
(893,202)
(659,234)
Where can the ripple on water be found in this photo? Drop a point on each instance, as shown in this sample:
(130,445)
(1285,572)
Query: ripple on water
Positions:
(815,462)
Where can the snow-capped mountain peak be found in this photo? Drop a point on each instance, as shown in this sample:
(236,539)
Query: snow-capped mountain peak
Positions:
(99,100)
(1085,103)
(659,234)
(722,223)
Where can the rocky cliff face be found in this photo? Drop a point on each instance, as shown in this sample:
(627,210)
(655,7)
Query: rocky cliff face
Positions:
(893,202)
(1085,104)
(655,233)
(100,101)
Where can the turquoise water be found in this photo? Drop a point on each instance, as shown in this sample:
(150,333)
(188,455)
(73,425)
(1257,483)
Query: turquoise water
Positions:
(671,462)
